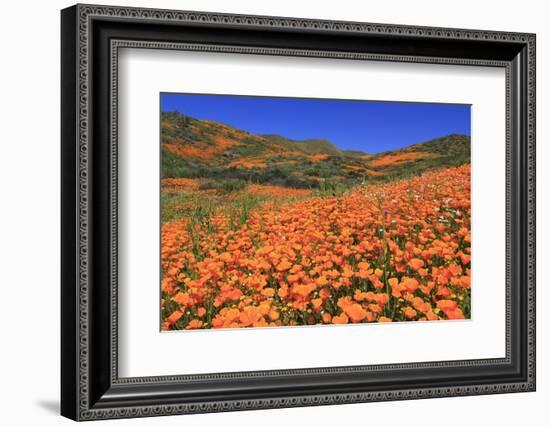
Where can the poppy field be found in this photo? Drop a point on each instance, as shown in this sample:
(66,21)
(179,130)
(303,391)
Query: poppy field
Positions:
(283,212)
(261,255)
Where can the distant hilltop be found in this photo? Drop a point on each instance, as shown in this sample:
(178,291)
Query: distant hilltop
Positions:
(202,148)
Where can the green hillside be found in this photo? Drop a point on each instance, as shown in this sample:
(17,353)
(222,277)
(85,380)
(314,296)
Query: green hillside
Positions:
(193,148)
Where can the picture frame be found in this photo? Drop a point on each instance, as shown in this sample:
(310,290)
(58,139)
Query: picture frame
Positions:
(91,37)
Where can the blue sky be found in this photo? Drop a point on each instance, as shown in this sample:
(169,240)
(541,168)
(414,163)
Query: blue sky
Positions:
(358,125)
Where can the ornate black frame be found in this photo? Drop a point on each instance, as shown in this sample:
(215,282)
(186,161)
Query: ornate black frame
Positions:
(91,37)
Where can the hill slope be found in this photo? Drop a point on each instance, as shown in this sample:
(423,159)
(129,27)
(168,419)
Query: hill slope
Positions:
(201,148)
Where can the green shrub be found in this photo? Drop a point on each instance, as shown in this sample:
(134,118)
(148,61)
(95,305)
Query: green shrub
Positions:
(209,185)
(231,185)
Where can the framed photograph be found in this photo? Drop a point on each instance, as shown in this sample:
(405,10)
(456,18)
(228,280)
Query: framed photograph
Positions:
(263,212)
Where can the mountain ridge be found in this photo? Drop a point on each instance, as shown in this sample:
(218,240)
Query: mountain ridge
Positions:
(202,148)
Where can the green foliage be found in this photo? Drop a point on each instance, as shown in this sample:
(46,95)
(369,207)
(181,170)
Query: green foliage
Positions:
(319,146)
(209,185)
(249,149)
(241,209)
(173,166)
(331,187)
(325,169)
(199,222)
(227,186)
(179,128)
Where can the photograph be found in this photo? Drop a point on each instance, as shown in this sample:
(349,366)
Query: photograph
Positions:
(266,209)
(280,211)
